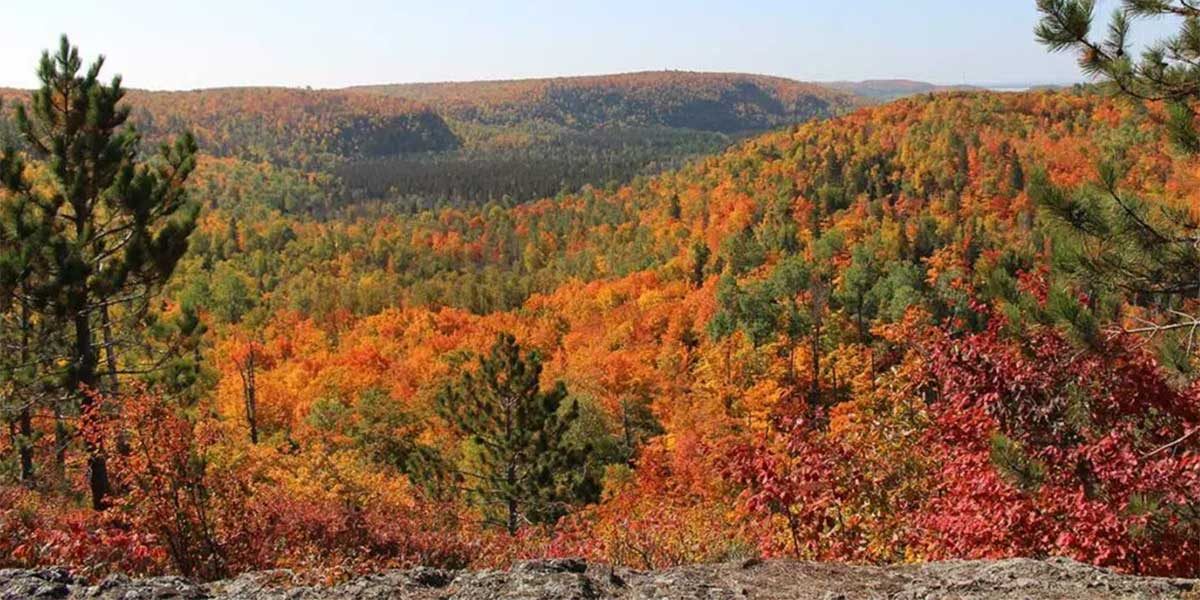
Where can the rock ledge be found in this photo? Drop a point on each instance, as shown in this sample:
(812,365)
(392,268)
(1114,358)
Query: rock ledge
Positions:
(573,579)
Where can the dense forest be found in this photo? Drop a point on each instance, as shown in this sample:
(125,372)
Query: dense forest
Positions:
(720,102)
(533,138)
(892,89)
(426,145)
(957,325)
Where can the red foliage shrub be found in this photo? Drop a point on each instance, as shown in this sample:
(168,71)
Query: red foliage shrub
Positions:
(1049,450)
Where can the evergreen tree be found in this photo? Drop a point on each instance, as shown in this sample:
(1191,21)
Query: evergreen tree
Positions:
(105,229)
(855,288)
(1149,251)
(519,465)
(699,255)
(1016,175)
(1167,70)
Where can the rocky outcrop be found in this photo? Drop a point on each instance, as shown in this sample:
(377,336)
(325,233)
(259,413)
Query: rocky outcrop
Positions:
(571,579)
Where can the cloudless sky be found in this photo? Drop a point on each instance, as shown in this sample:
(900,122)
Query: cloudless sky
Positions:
(168,44)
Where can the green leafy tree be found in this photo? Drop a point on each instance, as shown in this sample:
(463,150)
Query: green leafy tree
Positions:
(105,228)
(520,464)
(855,289)
(379,427)
(699,255)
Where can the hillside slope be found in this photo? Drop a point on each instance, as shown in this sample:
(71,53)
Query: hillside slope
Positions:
(839,341)
(883,90)
(468,143)
(719,102)
(291,125)
(285,125)
(559,134)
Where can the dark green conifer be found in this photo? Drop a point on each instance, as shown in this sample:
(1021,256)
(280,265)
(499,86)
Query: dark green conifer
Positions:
(104,229)
(519,464)
(1113,241)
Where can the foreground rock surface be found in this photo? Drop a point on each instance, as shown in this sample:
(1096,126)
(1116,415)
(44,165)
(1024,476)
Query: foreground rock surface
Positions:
(573,579)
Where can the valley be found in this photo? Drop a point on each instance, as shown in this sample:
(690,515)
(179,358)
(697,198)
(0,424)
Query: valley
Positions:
(702,333)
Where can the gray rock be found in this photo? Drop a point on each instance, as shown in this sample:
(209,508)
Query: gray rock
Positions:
(50,583)
(574,579)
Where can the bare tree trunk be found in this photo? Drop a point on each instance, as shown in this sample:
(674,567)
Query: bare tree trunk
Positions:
(61,440)
(511,474)
(110,356)
(25,419)
(814,386)
(85,385)
(250,393)
(511,477)
(25,445)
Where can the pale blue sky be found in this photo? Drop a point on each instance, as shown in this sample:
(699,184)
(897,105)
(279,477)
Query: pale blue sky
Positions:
(167,44)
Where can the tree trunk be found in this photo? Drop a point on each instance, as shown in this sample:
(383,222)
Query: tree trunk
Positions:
(250,395)
(510,475)
(25,419)
(512,498)
(814,387)
(61,439)
(110,356)
(85,385)
(25,446)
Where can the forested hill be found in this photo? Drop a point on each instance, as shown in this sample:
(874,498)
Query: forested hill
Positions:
(305,128)
(882,90)
(549,135)
(838,342)
(719,102)
(468,143)
(846,340)
(293,125)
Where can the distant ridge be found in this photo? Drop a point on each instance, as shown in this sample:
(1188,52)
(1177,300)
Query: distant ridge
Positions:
(891,89)
(717,102)
(286,125)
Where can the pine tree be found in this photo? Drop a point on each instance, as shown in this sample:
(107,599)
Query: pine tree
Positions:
(104,230)
(1167,70)
(1016,175)
(699,255)
(1149,251)
(519,465)
(16,327)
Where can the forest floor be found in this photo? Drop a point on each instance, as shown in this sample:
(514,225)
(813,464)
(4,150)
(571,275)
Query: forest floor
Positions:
(573,579)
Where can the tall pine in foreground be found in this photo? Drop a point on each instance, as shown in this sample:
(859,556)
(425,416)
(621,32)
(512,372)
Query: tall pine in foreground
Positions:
(1145,251)
(101,228)
(519,465)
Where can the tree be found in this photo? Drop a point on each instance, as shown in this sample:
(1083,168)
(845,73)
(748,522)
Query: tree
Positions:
(1151,251)
(110,225)
(523,468)
(699,255)
(247,358)
(1167,70)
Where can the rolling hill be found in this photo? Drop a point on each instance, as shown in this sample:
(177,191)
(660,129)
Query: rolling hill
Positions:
(728,103)
(753,336)
(429,143)
(573,131)
(883,90)
(839,341)
(306,128)
(293,125)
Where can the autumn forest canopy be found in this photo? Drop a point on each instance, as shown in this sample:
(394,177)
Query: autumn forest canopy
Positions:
(649,319)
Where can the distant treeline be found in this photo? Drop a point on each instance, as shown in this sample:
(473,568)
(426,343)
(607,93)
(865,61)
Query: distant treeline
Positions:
(522,174)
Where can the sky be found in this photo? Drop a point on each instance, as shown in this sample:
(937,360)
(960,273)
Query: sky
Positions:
(167,44)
